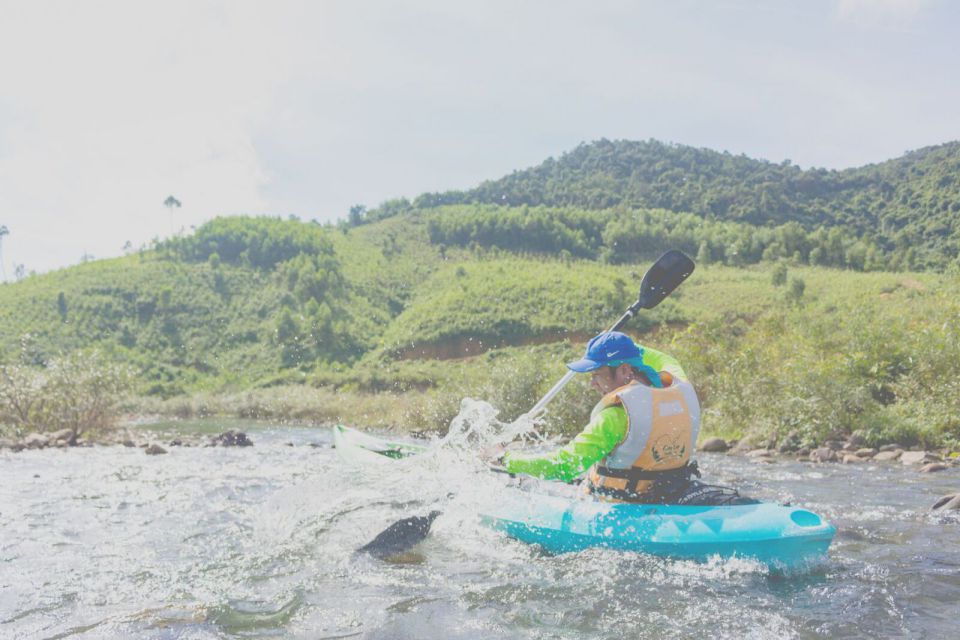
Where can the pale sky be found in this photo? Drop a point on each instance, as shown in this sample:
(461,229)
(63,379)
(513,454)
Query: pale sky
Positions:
(306,108)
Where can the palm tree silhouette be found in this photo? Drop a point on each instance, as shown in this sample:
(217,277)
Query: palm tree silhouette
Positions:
(170,203)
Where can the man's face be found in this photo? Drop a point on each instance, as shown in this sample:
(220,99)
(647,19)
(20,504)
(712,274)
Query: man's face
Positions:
(604,380)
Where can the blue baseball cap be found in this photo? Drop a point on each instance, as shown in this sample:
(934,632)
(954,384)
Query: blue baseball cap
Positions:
(610,349)
(604,350)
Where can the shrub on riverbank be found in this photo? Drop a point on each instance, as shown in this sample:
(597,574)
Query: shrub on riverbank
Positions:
(407,411)
(79,392)
(887,369)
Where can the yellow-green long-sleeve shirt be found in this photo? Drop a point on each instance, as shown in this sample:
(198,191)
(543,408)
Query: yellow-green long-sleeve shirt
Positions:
(661,361)
(605,431)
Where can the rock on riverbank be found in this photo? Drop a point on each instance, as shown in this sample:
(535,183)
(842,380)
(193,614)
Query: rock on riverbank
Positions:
(67,438)
(231,438)
(38,440)
(851,451)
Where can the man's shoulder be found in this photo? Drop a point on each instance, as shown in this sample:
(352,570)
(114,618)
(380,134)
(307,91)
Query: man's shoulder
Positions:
(612,413)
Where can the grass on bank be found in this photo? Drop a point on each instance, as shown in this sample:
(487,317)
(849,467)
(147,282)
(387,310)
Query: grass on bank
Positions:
(877,354)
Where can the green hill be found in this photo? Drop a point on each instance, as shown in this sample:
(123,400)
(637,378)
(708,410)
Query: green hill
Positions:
(911,201)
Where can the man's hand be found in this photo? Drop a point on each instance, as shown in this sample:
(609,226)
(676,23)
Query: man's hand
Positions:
(493,454)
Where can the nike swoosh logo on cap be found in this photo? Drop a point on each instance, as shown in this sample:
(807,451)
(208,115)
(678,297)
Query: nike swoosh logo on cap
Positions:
(613,353)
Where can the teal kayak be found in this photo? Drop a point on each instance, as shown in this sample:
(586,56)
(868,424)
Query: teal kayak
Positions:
(561,519)
(770,533)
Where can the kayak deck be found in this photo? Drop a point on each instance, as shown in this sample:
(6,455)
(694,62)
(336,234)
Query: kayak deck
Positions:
(776,535)
(770,533)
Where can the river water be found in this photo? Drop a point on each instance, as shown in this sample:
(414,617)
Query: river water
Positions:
(258,543)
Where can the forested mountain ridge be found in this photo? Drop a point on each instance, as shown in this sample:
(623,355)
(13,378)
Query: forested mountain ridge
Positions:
(910,201)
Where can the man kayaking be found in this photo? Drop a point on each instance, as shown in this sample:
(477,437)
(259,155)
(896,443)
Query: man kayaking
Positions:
(640,437)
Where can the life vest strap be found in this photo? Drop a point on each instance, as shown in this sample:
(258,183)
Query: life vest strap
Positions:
(631,475)
(664,482)
(636,474)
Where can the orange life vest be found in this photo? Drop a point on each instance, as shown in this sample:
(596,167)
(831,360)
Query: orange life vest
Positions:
(662,427)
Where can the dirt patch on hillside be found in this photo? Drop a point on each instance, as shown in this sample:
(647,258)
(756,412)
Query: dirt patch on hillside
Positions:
(469,346)
(910,283)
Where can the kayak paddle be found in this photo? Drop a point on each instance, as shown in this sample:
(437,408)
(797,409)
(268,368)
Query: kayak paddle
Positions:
(659,281)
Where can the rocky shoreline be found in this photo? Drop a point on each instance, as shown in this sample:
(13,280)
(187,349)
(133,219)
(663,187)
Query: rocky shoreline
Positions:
(68,438)
(849,451)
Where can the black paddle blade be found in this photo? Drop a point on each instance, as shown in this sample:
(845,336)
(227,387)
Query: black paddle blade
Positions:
(400,536)
(663,277)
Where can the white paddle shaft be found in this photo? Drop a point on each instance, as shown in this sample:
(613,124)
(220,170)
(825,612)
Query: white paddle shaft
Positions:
(542,403)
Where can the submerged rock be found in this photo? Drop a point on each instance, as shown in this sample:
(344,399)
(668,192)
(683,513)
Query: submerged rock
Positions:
(849,458)
(823,454)
(933,466)
(231,438)
(154,450)
(714,445)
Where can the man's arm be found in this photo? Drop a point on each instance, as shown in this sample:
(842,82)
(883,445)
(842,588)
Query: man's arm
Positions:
(605,431)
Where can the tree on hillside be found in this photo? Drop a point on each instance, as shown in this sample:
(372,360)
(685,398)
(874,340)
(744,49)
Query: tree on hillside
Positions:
(170,203)
(794,293)
(357,213)
(62,306)
(779,275)
(703,253)
(3,232)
